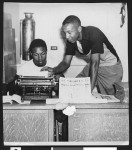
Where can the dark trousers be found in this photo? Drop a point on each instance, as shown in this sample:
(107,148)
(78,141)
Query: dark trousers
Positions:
(62,118)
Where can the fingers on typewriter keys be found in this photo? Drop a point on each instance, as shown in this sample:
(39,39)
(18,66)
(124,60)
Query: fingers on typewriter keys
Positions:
(50,74)
(44,69)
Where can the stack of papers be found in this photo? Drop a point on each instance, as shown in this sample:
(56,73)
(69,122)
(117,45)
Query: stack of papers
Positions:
(14,97)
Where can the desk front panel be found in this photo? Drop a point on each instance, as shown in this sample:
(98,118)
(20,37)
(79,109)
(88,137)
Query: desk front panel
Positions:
(100,125)
(28,125)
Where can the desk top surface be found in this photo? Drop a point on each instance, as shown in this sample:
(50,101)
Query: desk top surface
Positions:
(78,106)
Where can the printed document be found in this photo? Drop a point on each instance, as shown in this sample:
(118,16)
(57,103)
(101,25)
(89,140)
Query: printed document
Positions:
(77,90)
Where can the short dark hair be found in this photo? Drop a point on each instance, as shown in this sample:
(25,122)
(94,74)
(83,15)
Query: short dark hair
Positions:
(71,19)
(37,43)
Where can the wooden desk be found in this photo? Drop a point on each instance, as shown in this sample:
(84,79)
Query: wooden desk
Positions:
(91,123)
(99,123)
(28,123)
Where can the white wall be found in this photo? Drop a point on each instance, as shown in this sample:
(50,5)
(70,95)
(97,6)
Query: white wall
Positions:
(106,16)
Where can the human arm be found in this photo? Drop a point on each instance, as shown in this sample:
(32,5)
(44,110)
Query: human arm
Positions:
(62,66)
(84,72)
(94,65)
(95,59)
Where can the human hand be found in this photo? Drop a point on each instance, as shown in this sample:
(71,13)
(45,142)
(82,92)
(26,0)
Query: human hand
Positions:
(57,77)
(46,68)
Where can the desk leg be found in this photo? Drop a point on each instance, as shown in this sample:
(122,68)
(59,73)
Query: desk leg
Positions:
(51,125)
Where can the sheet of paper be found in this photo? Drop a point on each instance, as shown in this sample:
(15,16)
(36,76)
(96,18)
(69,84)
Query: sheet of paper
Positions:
(7,99)
(14,97)
(33,73)
(77,90)
(110,98)
(52,100)
(72,88)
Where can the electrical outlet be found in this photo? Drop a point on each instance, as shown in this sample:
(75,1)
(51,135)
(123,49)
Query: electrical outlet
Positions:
(54,48)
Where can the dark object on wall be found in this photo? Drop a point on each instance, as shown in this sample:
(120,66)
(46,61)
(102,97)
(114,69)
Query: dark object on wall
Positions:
(27,34)
(123,14)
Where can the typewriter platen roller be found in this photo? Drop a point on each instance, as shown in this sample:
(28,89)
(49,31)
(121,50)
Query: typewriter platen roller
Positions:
(35,87)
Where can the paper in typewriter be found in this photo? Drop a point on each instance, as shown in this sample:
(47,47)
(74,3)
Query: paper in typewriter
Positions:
(77,90)
(29,69)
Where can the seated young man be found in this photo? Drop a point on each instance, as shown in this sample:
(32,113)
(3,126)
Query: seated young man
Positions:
(38,53)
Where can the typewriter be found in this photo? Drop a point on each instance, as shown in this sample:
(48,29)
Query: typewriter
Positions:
(35,87)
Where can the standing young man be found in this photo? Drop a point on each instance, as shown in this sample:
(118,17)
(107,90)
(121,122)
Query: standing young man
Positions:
(105,68)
